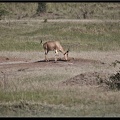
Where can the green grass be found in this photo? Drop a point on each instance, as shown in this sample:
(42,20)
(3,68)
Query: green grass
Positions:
(79,36)
(62,103)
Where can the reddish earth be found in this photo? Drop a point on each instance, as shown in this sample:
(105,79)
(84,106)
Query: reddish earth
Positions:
(22,63)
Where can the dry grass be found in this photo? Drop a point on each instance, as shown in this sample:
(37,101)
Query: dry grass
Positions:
(37,91)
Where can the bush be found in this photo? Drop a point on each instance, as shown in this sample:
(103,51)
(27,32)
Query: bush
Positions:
(3,11)
(41,7)
(114,81)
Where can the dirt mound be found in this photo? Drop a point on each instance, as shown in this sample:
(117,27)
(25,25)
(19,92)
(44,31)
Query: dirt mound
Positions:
(72,59)
(91,78)
(111,81)
(114,81)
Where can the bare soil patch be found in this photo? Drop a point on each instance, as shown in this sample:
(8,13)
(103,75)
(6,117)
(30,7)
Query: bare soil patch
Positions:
(6,63)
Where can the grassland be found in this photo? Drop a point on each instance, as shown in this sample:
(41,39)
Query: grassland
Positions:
(36,92)
(26,35)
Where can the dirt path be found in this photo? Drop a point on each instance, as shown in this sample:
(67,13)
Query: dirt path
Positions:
(62,20)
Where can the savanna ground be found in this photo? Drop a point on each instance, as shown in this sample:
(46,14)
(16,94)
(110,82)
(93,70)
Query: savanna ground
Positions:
(29,86)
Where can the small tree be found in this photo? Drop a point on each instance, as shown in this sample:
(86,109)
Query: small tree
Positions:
(41,7)
(3,11)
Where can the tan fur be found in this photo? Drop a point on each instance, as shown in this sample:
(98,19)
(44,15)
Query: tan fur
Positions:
(54,46)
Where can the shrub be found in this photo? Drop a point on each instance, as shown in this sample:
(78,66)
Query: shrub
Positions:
(114,81)
(41,7)
(3,11)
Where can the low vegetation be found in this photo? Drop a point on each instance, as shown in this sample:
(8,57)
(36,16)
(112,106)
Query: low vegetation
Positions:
(26,35)
(114,81)
(37,91)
